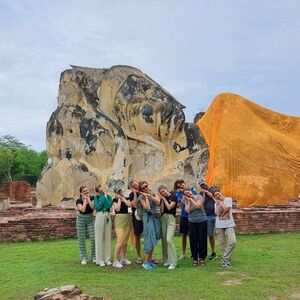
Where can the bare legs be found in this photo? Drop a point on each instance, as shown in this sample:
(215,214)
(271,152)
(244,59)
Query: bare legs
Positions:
(212,243)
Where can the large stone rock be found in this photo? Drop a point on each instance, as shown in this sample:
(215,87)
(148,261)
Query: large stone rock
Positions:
(114,123)
(67,292)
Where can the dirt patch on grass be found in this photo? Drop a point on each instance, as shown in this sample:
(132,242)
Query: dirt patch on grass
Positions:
(296,294)
(224,273)
(232,282)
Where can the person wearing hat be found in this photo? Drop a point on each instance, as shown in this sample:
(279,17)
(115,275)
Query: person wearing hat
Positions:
(137,220)
(209,207)
(102,205)
(123,228)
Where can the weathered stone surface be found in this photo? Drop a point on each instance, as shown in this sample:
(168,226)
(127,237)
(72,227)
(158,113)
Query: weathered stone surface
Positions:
(60,293)
(114,123)
(67,292)
(4,203)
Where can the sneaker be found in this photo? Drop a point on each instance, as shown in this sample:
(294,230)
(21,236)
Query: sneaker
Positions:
(152,264)
(101,264)
(147,266)
(125,262)
(225,263)
(139,261)
(117,264)
(183,256)
(108,263)
(166,264)
(213,256)
(83,261)
(228,263)
(195,263)
(172,267)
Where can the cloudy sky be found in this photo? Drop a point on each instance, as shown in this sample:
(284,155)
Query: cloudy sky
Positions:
(195,49)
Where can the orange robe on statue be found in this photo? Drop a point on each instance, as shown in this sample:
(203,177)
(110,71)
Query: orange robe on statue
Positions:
(254,152)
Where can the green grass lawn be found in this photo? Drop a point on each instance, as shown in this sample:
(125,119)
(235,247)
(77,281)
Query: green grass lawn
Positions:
(263,267)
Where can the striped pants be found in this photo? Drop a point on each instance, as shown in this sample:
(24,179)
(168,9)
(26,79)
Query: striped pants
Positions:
(85,223)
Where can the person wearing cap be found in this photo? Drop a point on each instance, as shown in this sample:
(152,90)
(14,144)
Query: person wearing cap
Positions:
(137,224)
(102,205)
(209,207)
(123,228)
(179,187)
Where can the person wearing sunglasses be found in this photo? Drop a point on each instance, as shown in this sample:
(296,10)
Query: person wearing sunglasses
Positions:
(151,222)
(85,223)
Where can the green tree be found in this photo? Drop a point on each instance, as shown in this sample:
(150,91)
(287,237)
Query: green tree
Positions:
(20,162)
(10,142)
(6,163)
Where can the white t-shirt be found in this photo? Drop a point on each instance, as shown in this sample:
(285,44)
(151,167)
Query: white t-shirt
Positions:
(225,220)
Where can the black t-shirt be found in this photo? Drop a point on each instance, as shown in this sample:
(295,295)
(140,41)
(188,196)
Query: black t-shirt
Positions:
(171,198)
(130,198)
(123,209)
(209,205)
(88,209)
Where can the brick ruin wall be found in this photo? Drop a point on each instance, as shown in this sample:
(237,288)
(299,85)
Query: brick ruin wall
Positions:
(23,222)
(51,223)
(19,191)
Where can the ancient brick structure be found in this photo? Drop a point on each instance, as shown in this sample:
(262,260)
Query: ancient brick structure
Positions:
(50,223)
(19,191)
(23,222)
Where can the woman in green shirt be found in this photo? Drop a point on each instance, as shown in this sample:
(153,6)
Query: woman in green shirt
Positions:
(102,205)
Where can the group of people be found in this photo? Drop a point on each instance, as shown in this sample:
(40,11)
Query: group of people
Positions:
(204,211)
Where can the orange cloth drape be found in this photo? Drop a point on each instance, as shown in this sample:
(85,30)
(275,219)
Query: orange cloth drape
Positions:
(254,152)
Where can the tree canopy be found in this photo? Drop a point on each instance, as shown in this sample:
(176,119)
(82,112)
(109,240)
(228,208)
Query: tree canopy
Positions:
(18,161)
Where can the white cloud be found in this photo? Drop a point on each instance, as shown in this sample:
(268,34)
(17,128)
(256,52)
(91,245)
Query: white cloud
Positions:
(194,49)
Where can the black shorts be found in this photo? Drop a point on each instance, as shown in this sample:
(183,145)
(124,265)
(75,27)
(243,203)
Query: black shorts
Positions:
(137,226)
(184,226)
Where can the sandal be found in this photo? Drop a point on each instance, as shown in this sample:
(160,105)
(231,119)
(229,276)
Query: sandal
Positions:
(139,261)
(155,261)
(202,263)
